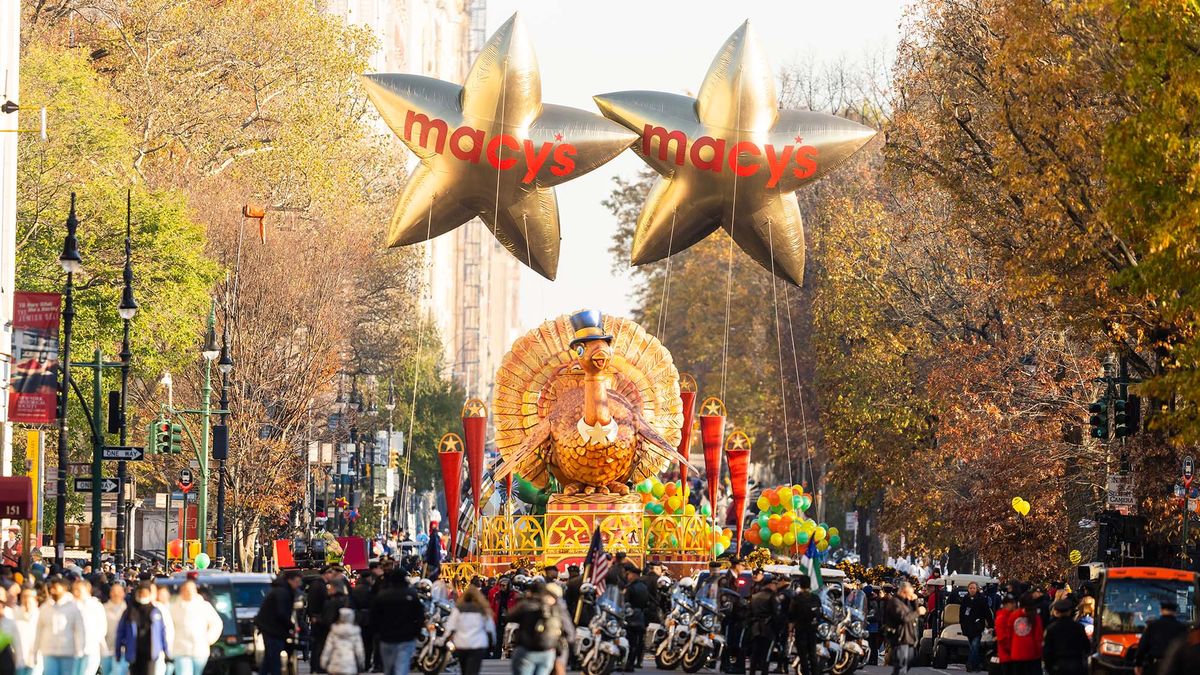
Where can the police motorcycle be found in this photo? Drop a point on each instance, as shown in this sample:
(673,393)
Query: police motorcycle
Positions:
(601,646)
(519,583)
(669,639)
(852,631)
(434,652)
(706,642)
(842,645)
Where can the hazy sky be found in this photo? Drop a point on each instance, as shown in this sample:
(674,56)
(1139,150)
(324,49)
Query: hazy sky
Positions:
(587,47)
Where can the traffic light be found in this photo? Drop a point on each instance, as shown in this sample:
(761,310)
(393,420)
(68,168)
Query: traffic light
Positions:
(176,438)
(1120,430)
(1099,419)
(393,459)
(162,435)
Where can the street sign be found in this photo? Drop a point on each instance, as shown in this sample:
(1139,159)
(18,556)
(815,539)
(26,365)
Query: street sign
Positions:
(1189,469)
(179,497)
(107,485)
(1119,495)
(185,479)
(160,500)
(79,469)
(127,452)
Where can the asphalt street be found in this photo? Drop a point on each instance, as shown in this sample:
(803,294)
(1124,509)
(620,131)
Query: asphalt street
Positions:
(502,667)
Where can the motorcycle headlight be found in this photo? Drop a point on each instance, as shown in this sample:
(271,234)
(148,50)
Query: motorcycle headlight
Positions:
(706,622)
(825,631)
(858,630)
(612,627)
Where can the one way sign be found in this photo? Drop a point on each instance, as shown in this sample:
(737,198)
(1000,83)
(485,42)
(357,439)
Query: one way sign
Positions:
(127,452)
(107,485)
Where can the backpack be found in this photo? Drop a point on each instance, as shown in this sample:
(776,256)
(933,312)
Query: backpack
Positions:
(541,628)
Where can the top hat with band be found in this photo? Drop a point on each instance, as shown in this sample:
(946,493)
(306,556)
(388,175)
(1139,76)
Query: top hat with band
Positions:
(588,325)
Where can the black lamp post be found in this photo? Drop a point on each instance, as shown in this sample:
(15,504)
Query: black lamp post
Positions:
(71,263)
(225,365)
(127,309)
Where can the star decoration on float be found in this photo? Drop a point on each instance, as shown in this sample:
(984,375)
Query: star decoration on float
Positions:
(450,443)
(730,158)
(490,148)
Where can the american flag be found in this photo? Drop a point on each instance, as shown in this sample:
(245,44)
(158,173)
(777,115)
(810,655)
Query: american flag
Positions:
(599,561)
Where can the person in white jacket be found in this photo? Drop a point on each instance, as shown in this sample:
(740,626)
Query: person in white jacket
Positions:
(114,609)
(25,616)
(472,630)
(95,626)
(60,633)
(343,651)
(196,627)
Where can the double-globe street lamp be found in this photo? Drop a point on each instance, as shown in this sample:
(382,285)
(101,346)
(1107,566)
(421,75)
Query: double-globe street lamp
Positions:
(72,263)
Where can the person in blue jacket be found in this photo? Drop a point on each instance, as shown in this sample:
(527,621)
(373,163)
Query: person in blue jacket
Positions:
(141,634)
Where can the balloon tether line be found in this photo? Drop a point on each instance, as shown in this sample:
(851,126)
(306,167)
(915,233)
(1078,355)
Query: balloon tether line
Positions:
(666,295)
(806,466)
(787,434)
(412,409)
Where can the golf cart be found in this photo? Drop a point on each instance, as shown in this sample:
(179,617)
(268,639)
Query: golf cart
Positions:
(942,641)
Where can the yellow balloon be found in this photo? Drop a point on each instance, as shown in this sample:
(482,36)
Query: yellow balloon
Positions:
(1023,508)
(819,534)
(833,532)
(798,490)
(785,495)
(689,510)
(1075,557)
(789,538)
(1016,503)
(763,503)
(777,540)
(674,503)
(822,545)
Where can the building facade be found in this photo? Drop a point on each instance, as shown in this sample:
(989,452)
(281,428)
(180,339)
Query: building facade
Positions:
(472,283)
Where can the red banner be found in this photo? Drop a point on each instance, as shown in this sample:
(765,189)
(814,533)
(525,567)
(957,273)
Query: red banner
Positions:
(474,432)
(452,461)
(712,435)
(685,438)
(739,465)
(33,390)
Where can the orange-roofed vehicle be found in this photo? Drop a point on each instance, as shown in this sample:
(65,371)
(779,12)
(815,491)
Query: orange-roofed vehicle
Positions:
(1129,599)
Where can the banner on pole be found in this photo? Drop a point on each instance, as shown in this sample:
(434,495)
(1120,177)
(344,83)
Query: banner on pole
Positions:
(33,389)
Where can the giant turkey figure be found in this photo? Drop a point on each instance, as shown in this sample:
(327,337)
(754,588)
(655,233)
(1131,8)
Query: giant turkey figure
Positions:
(591,401)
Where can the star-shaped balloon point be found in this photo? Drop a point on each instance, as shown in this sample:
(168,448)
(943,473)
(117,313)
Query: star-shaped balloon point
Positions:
(730,158)
(491,148)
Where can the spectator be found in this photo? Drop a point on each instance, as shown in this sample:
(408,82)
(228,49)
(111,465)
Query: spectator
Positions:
(274,620)
(398,635)
(197,627)
(114,609)
(141,634)
(25,619)
(95,626)
(343,653)
(472,630)
(60,633)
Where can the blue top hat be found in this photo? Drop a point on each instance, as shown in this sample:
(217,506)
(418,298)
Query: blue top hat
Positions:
(588,325)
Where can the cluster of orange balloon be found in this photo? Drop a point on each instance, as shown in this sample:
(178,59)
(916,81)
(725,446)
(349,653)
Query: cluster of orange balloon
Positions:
(659,498)
(782,525)
(1021,506)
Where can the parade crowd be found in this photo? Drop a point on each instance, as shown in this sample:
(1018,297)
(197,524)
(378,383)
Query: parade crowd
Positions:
(83,623)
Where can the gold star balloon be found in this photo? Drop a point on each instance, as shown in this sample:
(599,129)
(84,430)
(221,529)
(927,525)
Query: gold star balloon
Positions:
(491,148)
(730,158)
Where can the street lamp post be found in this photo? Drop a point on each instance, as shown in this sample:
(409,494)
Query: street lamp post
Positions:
(225,365)
(71,263)
(127,309)
(210,352)
(389,476)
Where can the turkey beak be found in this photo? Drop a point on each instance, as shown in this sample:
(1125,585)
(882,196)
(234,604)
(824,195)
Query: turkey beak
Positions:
(601,354)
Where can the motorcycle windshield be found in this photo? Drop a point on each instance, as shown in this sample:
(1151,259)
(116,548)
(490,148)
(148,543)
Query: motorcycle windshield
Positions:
(856,600)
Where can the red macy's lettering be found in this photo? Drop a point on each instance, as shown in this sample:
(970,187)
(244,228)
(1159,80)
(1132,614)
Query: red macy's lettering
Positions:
(472,145)
(777,160)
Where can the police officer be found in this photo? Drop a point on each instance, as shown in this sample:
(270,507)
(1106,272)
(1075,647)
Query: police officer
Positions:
(762,626)
(1159,635)
(643,611)
(734,612)
(805,611)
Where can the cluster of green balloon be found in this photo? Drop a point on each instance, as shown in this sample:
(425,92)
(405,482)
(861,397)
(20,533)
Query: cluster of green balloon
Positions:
(671,499)
(782,525)
(202,561)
